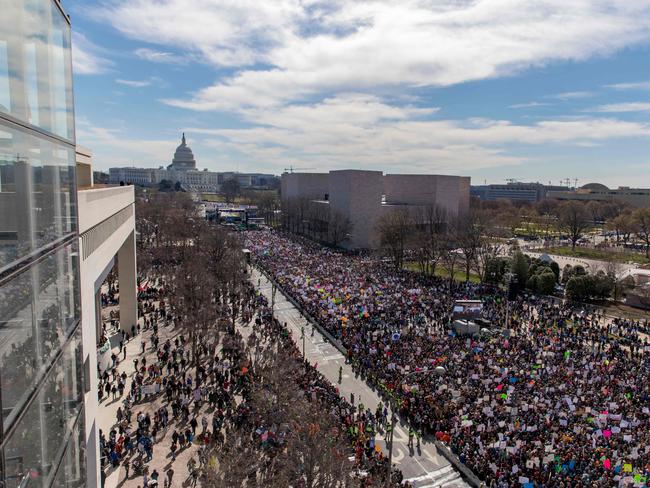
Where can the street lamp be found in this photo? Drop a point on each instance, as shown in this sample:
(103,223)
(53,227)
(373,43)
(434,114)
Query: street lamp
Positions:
(274,289)
(393,421)
(302,329)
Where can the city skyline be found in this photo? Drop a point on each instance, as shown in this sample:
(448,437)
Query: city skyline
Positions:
(537,91)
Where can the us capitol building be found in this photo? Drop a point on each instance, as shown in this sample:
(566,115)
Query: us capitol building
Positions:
(183,170)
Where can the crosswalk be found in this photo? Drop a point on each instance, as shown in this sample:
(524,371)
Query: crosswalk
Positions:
(446,477)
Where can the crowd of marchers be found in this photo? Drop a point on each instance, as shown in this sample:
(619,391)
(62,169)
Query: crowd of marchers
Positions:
(562,401)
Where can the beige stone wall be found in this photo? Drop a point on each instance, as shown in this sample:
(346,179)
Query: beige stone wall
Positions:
(410,189)
(448,192)
(356,195)
(304,185)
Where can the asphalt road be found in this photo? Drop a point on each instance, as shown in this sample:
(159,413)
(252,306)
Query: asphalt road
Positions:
(423,466)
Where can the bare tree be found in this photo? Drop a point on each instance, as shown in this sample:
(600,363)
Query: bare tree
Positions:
(510,218)
(339,228)
(622,225)
(429,236)
(469,235)
(230,189)
(641,220)
(393,229)
(574,220)
(451,255)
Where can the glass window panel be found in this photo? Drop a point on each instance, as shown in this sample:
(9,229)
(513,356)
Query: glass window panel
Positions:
(37,59)
(37,309)
(37,193)
(31,84)
(72,471)
(5,102)
(40,438)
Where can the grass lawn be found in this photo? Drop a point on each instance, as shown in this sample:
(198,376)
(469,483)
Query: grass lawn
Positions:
(587,253)
(442,272)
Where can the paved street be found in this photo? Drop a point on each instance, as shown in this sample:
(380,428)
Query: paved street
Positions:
(424,467)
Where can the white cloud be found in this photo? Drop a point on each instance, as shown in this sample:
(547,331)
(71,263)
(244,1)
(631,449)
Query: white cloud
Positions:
(640,85)
(300,73)
(86,57)
(302,48)
(622,107)
(572,95)
(133,83)
(160,56)
(364,132)
(529,105)
(114,147)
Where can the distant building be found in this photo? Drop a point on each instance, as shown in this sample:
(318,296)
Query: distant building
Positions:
(183,170)
(183,158)
(362,197)
(635,197)
(515,191)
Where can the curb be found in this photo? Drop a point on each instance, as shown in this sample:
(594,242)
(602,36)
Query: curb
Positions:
(465,472)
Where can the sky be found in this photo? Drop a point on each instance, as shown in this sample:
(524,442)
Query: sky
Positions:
(533,90)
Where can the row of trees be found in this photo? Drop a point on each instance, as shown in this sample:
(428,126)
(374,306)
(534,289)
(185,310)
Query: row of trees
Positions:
(315,220)
(430,237)
(477,243)
(202,265)
(202,272)
(572,219)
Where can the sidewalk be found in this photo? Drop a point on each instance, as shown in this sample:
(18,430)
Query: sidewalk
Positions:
(107,417)
(424,467)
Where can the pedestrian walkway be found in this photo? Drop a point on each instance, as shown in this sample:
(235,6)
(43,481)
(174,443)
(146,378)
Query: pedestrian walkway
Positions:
(413,462)
(161,462)
(445,477)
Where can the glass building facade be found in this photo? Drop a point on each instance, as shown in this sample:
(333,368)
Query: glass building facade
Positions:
(41,370)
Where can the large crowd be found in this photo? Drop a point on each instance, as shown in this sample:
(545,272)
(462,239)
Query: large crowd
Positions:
(196,395)
(562,400)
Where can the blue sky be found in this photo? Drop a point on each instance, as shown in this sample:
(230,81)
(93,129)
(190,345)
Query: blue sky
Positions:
(493,89)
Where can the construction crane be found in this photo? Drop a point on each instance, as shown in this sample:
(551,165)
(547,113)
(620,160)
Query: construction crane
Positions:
(290,169)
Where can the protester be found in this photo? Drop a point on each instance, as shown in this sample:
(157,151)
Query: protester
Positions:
(563,401)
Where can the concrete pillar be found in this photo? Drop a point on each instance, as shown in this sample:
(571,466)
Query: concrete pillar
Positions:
(126,275)
(91,329)
(98,312)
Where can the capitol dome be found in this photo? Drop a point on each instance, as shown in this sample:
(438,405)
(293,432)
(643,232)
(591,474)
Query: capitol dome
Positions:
(183,158)
(594,187)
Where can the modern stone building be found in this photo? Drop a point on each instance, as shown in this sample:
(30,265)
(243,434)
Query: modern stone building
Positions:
(361,197)
(515,191)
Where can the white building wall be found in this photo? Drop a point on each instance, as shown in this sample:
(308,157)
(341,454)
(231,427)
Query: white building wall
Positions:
(98,212)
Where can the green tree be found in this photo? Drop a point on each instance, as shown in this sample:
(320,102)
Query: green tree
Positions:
(546,282)
(576,288)
(519,267)
(495,270)
(556,270)
(165,185)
